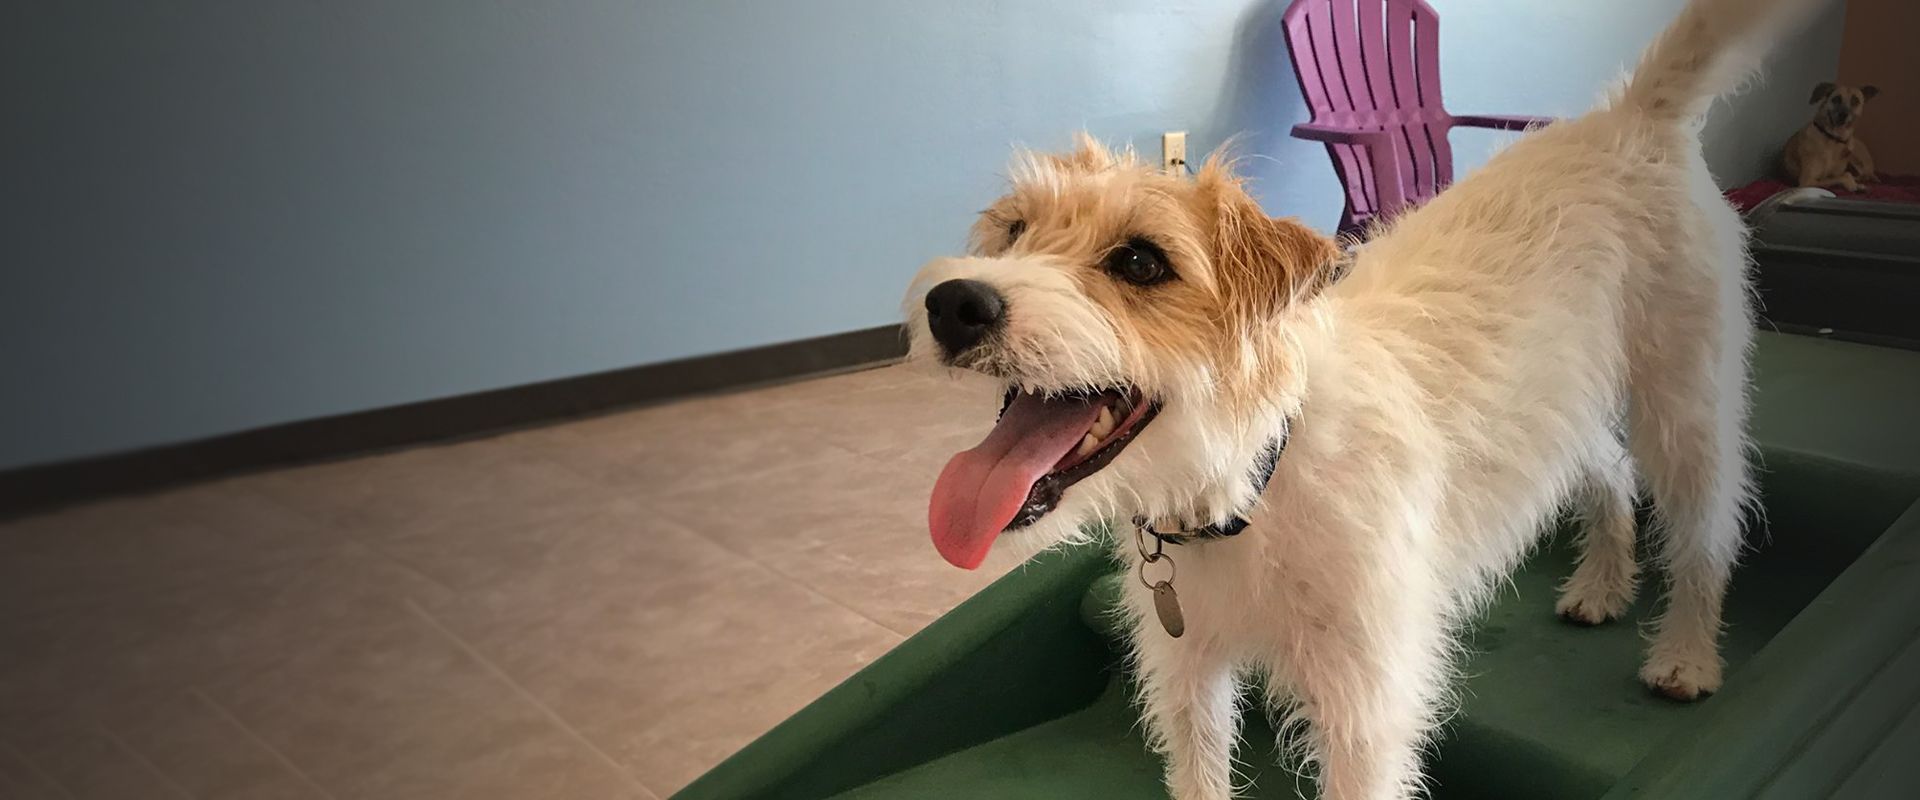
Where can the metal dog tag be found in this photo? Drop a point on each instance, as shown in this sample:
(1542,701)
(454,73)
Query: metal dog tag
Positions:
(1166,605)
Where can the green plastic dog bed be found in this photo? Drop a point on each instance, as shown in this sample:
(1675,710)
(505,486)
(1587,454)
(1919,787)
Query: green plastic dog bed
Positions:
(1021,693)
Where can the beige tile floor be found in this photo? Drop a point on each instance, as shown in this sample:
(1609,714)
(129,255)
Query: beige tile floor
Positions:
(603,608)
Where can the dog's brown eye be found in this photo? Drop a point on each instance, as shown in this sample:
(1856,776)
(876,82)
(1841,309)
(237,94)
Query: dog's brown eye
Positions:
(1014,229)
(1139,262)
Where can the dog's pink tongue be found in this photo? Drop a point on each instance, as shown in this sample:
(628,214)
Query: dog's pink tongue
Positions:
(982,489)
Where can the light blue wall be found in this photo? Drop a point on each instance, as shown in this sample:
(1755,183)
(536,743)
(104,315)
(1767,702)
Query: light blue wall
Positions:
(221,214)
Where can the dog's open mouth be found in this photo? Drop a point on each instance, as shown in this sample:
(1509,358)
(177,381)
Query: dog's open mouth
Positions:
(1041,445)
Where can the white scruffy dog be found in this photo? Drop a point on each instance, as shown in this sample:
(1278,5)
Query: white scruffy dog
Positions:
(1484,361)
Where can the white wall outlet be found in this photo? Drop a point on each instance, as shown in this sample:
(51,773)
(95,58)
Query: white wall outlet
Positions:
(1173,152)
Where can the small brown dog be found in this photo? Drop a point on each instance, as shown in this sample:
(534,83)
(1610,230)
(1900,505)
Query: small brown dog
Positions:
(1825,152)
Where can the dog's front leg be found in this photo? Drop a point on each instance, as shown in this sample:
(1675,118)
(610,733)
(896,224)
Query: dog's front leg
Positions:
(1190,702)
(1367,685)
(1860,162)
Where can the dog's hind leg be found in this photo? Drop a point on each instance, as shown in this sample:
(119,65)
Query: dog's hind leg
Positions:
(1688,409)
(1190,698)
(1602,585)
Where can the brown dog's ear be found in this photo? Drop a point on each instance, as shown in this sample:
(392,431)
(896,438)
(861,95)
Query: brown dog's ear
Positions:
(1820,92)
(1868,91)
(1262,264)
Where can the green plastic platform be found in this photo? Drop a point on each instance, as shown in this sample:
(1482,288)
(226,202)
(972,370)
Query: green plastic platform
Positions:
(1019,692)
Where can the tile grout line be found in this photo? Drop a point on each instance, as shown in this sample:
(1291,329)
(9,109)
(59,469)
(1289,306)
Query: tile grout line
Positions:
(35,769)
(165,779)
(381,554)
(611,481)
(257,739)
(351,536)
(782,574)
(526,695)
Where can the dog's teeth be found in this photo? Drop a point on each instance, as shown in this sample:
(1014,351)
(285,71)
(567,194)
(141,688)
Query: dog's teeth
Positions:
(1103,425)
(1088,444)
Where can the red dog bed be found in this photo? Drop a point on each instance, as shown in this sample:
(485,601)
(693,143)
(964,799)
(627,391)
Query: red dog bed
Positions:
(1890,188)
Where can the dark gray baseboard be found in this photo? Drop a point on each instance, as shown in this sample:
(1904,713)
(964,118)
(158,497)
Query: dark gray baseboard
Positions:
(32,489)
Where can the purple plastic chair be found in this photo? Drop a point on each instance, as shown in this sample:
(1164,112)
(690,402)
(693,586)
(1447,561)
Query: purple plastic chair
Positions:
(1370,70)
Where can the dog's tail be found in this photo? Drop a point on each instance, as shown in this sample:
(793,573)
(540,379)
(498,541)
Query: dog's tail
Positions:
(1710,50)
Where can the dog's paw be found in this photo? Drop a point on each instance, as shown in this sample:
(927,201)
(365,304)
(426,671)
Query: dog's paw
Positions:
(1208,789)
(1682,680)
(1587,600)
(1587,610)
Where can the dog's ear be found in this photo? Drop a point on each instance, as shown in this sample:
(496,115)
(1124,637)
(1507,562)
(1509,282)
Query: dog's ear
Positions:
(1820,92)
(1261,264)
(1868,91)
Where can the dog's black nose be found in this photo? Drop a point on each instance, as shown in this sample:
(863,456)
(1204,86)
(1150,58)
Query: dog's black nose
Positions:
(960,313)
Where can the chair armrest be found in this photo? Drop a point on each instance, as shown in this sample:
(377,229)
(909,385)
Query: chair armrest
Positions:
(1502,122)
(1332,134)
(1390,194)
